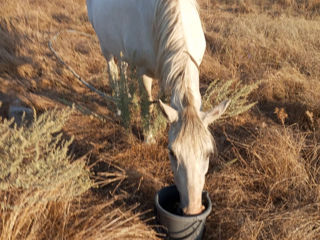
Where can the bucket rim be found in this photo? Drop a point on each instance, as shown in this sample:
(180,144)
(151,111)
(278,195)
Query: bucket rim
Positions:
(199,217)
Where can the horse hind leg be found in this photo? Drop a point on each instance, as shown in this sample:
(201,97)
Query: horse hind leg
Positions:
(114,79)
(147,83)
(113,73)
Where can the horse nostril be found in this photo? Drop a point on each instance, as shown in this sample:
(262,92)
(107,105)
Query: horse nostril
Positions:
(187,211)
(180,211)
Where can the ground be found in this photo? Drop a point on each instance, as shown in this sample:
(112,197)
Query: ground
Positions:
(263,181)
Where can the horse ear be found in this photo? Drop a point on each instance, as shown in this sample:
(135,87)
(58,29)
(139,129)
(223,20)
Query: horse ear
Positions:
(215,113)
(170,113)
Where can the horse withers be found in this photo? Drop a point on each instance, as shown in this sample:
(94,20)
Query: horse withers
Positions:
(164,39)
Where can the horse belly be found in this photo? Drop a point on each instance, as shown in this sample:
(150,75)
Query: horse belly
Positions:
(125,26)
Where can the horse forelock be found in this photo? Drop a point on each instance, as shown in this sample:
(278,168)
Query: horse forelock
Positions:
(193,137)
(170,44)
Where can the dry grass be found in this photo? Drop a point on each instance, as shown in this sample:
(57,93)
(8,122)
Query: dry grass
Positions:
(264,183)
(272,191)
(283,52)
(279,45)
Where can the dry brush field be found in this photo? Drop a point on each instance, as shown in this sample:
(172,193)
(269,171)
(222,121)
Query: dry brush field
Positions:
(79,174)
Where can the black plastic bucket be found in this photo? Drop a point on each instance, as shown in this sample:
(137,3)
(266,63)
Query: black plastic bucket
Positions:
(178,226)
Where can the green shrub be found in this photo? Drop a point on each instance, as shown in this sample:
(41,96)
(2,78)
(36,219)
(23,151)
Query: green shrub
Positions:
(237,93)
(37,176)
(131,99)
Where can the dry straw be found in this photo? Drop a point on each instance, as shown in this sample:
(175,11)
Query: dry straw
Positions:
(271,191)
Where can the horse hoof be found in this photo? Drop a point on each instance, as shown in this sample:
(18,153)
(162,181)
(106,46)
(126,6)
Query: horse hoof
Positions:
(149,139)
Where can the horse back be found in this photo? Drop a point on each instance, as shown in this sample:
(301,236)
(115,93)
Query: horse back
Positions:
(125,26)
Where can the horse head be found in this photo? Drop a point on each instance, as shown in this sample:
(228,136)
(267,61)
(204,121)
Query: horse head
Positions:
(190,146)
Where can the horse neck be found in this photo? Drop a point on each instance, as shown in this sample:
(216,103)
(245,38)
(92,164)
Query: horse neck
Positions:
(187,88)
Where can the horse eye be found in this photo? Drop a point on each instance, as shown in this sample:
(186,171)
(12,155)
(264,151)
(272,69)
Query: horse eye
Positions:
(172,153)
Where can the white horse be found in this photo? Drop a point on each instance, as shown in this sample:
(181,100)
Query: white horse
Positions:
(164,39)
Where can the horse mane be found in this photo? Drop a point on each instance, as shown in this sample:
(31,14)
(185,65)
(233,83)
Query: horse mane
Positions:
(171,66)
(170,45)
